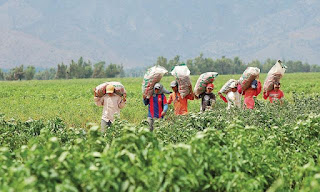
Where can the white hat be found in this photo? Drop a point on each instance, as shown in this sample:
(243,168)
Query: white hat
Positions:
(173,84)
(157,86)
(233,85)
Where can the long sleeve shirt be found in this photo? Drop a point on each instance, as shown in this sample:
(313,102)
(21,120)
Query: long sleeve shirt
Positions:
(233,99)
(249,94)
(156,104)
(273,95)
(111,105)
(180,105)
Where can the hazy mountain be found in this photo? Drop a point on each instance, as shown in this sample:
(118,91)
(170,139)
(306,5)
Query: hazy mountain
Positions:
(135,32)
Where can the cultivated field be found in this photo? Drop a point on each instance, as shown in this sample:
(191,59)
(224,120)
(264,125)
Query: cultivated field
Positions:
(72,100)
(271,148)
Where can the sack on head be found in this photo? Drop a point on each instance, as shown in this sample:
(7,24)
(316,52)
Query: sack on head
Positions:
(274,75)
(182,75)
(228,85)
(202,82)
(119,89)
(151,77)
(250,74)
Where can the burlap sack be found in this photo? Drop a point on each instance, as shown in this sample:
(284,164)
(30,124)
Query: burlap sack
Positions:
(226,87)
(152,76)
(250,74)
(119,89)
(274,75)
(182,75)
(202,82)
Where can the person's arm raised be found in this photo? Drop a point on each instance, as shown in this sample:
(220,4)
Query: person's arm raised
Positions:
(98,101)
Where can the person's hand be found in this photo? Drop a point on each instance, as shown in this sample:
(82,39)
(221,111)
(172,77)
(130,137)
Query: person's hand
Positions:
(163,113)
(220,94)
(124,99)
(95,94)
(196,97)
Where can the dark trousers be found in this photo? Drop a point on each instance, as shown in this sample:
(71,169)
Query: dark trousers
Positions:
(105,124)
(150,121)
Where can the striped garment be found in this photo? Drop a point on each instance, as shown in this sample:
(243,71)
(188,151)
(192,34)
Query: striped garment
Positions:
(156,104)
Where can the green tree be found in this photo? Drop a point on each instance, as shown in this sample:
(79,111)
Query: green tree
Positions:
(192,67)
(1,75)
(113,70)
(61,71)
(268,64)
(255,63)
(73,70)
(295,66)
(173,62)
(87,69)
(239,66)
(80,69)
(19,73)
(29,72)
(162,61)
(10,75)
(306,67)
(98,70)
(200,64)
(46,74)
(224,65)
(80,72)
(314,68)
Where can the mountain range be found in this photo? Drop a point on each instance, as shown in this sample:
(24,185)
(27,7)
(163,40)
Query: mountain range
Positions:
(44,33)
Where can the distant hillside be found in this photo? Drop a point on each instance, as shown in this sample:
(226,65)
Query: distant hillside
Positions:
(135,33)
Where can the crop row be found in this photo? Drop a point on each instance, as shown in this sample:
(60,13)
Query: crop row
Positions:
(271,148)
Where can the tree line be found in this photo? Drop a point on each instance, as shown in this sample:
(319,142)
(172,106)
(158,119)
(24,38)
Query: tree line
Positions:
(75,70)
(197,66)
(225,65)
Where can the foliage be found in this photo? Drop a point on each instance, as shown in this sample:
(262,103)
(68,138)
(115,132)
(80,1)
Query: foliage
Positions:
(255,150)
(72,100)
(225,65)
(29,72)
(198,65)
(80,70)
(46,74)
(61,71)
(75,70)
(1,75)
(48,144)
(16,73)
(113,70)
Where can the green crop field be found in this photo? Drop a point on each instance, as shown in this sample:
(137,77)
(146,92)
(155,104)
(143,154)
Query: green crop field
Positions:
(72,100)
(50,141)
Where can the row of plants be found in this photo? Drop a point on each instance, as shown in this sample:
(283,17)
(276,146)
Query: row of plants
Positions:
(271,148)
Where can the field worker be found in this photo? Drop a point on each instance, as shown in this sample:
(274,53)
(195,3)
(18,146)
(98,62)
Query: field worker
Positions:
(233,98)
(275,95)
(253,91)
(112,103)
(208,99)
(157,105)
(180,104)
